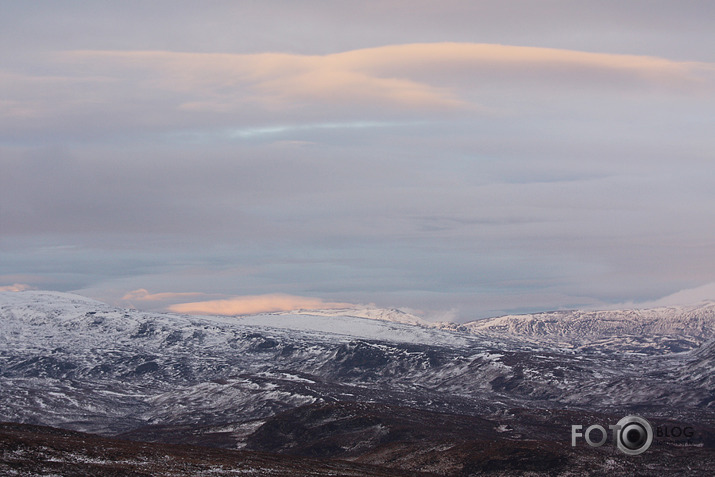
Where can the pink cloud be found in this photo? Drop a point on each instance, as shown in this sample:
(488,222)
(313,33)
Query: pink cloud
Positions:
(224,82)
(253,304)
(163,87)
(431,76)
(16,287)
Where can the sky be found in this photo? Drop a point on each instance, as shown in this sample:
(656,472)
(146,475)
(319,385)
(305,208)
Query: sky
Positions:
(457,159)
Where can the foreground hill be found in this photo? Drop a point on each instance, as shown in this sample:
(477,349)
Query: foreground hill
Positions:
(38,450)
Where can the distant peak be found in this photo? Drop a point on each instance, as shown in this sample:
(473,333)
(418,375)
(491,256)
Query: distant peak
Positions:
(46,295)
(372,313)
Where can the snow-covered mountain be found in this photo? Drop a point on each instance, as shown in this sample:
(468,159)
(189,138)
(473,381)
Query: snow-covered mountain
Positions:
(80,364)
(394,315)
(692,324)
(70,361)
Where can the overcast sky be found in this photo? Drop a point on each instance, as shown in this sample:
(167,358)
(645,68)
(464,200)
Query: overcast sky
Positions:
(458,159)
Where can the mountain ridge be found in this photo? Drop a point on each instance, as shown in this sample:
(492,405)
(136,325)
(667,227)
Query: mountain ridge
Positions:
(83,365)
(656,317)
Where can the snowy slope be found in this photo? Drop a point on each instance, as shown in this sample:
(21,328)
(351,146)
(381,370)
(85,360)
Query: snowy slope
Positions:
(373,313)
(77,363)
(371,328)
(695,321)
(660,330)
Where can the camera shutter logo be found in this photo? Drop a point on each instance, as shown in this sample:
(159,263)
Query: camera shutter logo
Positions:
(634,435)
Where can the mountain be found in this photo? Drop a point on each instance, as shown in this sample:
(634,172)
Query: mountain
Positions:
(394,315)
(337,385)
(669,329)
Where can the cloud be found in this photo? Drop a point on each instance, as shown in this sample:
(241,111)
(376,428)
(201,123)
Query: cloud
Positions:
(246,305)
(91,93)
(522,63)
(16,287)
(418,76)
(143,295)
(689,296)
(181,171)
(222,83)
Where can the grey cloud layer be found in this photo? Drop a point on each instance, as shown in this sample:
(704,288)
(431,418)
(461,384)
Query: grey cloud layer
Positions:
(436,175)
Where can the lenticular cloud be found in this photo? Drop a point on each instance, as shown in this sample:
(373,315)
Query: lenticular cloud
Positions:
(246,305)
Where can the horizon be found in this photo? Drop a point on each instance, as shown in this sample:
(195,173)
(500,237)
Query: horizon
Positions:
(461,161)
(667,303)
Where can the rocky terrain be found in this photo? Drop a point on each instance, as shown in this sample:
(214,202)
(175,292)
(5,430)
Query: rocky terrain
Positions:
(373,387)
